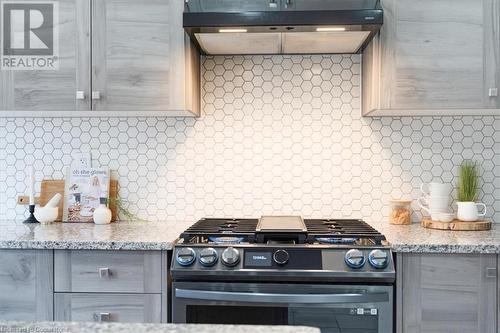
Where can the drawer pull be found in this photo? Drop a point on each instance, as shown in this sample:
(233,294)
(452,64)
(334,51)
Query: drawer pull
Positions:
(104,272)
(102,317)
(491,272)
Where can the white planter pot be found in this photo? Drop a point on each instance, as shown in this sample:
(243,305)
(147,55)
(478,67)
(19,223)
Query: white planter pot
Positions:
(468,211)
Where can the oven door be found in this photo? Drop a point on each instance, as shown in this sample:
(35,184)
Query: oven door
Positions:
(332,308)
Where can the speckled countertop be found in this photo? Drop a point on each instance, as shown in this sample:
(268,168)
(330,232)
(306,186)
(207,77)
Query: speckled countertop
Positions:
(88,236)
(161,236)
(416,239)
(67,327)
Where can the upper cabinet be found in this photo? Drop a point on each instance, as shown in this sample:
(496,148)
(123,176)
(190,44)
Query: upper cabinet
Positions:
(46,88)
(434,57)
(116,57)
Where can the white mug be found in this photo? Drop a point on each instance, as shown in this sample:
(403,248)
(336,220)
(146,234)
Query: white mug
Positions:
(436,189)
(434,204)
(468,211)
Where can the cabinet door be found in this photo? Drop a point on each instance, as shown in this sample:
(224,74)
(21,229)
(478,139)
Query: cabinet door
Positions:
(129,308)
(440,54)
(449,293)
(142,59)
(26,285)
(54,89)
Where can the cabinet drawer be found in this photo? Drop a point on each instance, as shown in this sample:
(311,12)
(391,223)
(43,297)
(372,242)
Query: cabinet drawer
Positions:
(108,307)
(108,271)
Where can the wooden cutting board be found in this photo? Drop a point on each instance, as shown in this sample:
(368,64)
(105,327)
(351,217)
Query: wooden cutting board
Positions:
(456,225)
(50,187)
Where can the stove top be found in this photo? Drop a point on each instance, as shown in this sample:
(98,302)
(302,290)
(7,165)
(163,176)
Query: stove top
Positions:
(284,248)
(255,231)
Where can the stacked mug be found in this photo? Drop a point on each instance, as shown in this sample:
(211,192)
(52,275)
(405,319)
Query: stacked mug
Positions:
(436,201)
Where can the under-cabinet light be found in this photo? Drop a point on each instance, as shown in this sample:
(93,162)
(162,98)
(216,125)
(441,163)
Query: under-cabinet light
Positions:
(232,30)
(326,29)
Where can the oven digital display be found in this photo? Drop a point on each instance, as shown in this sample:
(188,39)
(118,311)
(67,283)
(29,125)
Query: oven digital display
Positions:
(258,259)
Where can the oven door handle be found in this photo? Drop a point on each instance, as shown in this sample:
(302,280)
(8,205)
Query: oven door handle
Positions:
(281,298)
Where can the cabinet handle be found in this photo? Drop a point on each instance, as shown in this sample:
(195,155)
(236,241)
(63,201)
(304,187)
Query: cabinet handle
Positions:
(104,272)
(493,92)
(80,95)
(491,272)
(102,316)
(96,95)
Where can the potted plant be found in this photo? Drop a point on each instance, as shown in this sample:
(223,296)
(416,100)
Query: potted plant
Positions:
(468,187)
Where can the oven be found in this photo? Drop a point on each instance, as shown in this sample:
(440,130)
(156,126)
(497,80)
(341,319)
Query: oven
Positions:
(331,307)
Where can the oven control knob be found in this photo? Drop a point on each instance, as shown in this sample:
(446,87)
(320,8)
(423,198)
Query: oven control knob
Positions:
(378,259)
(281,257)
(208,257)
(354,258)
(185,256)
(230,257)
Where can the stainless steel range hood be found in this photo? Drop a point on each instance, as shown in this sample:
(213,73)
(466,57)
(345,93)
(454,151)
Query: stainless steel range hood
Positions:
(281,26)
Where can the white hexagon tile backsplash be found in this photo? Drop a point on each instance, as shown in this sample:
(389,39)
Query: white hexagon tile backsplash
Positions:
(279,135)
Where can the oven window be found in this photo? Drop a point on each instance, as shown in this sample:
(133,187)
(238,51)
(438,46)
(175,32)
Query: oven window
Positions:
(245,315)
(329,320)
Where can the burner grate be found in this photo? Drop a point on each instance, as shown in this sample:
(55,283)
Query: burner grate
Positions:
(221,227)
(316,228)
(342,228)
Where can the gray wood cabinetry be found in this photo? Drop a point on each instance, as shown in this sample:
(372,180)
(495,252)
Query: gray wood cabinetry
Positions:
(447,293)
(123,57)
(434,57)
(142,308)
(35,90)
(123,286)
(26,285)
(142,60)
(108,271)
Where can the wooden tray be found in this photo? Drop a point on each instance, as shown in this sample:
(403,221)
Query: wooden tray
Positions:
(456,225)
(50,187)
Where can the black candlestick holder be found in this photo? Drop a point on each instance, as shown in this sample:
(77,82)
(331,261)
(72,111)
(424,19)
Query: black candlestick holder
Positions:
(31,218)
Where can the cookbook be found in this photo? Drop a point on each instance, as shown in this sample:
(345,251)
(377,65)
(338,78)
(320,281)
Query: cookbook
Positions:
(85,188)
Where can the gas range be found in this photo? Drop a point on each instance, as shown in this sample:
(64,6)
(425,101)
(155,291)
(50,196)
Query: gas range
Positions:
(335,274)
(284,248)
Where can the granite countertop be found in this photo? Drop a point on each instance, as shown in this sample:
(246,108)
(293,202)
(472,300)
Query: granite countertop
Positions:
(416,239)
(88,236)
(68,327)
(162,235)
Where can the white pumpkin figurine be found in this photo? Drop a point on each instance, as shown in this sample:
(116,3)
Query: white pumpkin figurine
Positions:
(102,214)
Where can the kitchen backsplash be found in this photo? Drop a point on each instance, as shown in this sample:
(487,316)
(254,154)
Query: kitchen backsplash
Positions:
(279,135)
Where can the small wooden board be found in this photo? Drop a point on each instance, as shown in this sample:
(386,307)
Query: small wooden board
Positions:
(456,225)
(50,187)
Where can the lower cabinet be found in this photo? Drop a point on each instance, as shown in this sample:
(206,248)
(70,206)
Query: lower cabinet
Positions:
(26,285)
(134,308)
(114,286)
(447,293)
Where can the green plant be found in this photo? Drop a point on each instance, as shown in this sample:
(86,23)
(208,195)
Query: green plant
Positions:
(123,212)
(468,181)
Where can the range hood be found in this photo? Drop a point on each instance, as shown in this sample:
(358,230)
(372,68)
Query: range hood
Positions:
(225,27)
